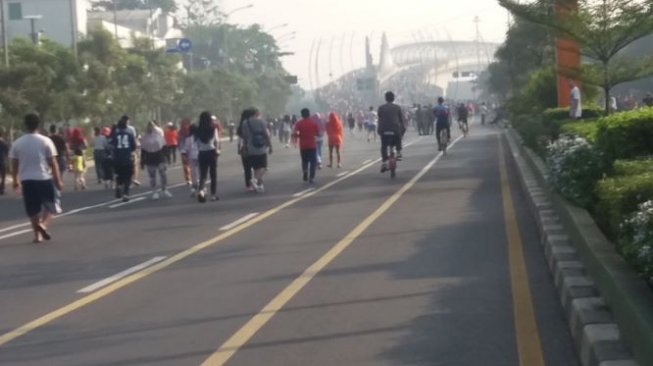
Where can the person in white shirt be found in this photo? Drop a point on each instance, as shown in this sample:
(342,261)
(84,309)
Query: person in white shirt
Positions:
(35,170)
(575,101)
(100,144)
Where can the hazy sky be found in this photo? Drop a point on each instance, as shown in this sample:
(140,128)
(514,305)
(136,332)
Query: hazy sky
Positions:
(337,22)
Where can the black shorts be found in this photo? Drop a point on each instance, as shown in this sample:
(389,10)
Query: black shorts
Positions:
(38,195)
(258,161)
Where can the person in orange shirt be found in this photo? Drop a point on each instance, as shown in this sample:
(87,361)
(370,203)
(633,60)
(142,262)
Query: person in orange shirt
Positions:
(334,132)
(171,136)
(184,133)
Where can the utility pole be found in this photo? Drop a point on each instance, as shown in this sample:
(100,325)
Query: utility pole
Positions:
(115,19)
(5,45)
(73,25)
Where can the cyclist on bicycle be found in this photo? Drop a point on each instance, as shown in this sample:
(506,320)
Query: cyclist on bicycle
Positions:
(441,113)
(463,114)
(391,128)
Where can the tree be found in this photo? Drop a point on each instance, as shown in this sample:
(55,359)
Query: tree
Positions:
(602,28)
(202,13)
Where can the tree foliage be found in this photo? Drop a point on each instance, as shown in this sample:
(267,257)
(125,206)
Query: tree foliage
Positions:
(603,29)
(106,5)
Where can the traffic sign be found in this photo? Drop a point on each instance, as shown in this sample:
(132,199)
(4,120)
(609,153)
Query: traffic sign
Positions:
(184,45)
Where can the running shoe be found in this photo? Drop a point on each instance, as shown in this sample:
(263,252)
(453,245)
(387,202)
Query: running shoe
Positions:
(215,198)
(305,177)
(201,196)
(136,182)
(118,192)
(384,168)
(125,198)
(167,193)
(155,196)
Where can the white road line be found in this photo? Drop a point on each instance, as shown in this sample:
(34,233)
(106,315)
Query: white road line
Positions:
(81,209)
(127,203)
(299,194)
(120,275)
(6,236)
(342,174)
(239,221)
(366,162)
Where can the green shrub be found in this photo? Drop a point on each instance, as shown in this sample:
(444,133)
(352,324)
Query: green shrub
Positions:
(575,167)
(555,118)
(584,129)
(532,131)
(636,240)
(632,167)
(619,197)
(626,135)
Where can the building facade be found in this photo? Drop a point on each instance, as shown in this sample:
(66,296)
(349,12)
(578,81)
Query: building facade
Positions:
(63,21)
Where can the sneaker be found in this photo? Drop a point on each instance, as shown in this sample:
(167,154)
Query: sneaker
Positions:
(136,182)
(193,192)
(253,182)
(201,196)
(250,189)
(339,165)
(399,156)
(167,193)
(305,177)
(125,198)
(155,196)
(260,188)
(118,193)
(384,168)
(215,198)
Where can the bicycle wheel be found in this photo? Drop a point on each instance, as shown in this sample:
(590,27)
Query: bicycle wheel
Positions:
(392,164)
(444,141)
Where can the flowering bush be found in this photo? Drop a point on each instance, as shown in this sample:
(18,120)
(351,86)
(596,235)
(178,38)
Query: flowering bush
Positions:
(636,240)
(575,166)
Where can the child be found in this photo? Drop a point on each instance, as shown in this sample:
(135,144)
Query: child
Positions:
(79,169)
(191,149)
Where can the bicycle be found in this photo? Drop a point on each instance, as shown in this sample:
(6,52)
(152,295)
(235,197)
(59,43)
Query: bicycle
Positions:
(464,127)
(392,156)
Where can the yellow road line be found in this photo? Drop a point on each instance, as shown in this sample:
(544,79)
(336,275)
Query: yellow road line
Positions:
(86,300)
(526,332)
(258,321)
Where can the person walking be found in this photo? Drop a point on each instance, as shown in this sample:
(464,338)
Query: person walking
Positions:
(256,137)
(153,159)
(242,149)
(172,141)
(99,144)
(208,146)
(123,143)
(306,132)
(317,118)
(107,161)
(184,133)
(78,163)
(4,154)
(192,153)
(334,131)
(351,121)
(63,153)
(35,172)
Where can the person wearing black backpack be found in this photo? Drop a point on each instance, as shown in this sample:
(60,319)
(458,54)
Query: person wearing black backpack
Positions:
(256,141)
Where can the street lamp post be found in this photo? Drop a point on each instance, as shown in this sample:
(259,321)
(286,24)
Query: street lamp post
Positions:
(284,25)
(5,44)
(226,31)
(32,21)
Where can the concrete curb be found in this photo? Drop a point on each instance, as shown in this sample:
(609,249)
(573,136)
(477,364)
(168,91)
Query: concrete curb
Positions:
(592,325)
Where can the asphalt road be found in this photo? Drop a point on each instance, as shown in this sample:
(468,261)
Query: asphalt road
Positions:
(360,270)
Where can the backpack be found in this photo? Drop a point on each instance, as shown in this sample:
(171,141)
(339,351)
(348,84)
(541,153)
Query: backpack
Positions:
(257,138)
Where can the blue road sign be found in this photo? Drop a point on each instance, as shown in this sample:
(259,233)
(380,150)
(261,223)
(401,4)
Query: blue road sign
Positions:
(184,45)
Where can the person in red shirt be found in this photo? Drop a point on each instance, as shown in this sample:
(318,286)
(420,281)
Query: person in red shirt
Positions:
(171,136)
(306,132)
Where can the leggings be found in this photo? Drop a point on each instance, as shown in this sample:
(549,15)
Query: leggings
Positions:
(247,167)
(161,169)
(208,161)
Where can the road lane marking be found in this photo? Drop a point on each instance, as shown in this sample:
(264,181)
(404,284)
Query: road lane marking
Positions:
(366,162)
(120,275)
(527,335)
(81,209)
(258,321)
(106,291)
(133,200)
(11,235)
(342,174)
(299,194)
(239,221)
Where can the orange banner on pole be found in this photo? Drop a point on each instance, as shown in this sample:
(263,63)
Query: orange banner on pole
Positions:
(567,53)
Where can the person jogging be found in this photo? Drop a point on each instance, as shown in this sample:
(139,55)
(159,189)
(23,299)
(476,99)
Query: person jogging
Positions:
(256,138)
(35,172)
(208,145)
(154,160)
(306,132)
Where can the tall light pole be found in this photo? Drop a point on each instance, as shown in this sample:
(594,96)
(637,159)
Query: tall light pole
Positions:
(5,45)
(284,25)
(32,23)
(226,20)
(229,13)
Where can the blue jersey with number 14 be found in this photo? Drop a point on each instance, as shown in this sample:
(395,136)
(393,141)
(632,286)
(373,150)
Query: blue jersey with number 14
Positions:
(124,145)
